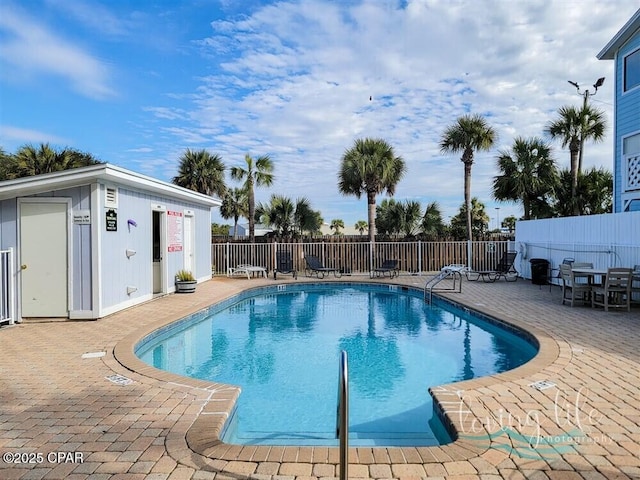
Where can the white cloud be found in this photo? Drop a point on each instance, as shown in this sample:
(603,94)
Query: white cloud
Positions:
(32,51)
(24,136)
(294,80)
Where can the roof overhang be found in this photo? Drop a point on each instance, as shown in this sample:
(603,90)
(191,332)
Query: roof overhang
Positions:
(622,37)
(100,173)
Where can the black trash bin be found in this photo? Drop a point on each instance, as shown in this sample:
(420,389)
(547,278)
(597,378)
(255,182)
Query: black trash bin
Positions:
(539,271)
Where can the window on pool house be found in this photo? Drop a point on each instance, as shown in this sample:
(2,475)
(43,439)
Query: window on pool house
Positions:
(632,70)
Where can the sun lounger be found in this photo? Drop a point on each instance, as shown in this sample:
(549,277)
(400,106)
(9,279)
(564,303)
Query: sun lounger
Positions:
(504,268)
(248,270)
(388,267)
(284,264)
(314,266)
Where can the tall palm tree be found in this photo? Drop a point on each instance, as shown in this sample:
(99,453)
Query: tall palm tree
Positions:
(527,172)
(256,173)
(370,167)
(234,205)
(573,127)
(202,172)
(361,226)
(469,134)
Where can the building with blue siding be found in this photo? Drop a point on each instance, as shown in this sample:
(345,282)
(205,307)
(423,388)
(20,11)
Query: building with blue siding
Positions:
(624,50)
(91,241)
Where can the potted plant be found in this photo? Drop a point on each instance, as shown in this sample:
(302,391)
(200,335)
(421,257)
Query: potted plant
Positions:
(185,282)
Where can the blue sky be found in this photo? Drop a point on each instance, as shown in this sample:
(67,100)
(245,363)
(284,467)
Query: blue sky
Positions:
(135,83)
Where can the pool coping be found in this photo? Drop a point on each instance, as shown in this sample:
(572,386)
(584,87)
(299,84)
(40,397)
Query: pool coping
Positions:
(455,402)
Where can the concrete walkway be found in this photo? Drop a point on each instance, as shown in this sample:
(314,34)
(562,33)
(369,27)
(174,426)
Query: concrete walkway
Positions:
(61,418)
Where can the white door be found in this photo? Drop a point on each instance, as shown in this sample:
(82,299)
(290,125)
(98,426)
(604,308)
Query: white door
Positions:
(44,259)
(189,263)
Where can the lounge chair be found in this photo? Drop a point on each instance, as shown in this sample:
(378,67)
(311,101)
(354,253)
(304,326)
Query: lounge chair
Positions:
(504,268)
(315,267)
(573,290)
(616,291)
(246,269)
(284,264)
(388,267)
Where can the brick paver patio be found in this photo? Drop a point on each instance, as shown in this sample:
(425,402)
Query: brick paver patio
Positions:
(162,426)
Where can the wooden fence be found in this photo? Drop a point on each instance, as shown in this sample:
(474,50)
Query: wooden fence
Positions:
(360,257)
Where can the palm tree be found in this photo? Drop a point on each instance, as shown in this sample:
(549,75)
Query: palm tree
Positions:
(7,165)
(370,167)
(389,217)
(595,193)
(573,127)
(527,173)
(479,219)
(305,219)
(510,223)
(432,225)
(361,226)
(234,205)
(30,160)
(278,213)
(202,172)
(410,211)
(336,225)
(470,133)
(257,173)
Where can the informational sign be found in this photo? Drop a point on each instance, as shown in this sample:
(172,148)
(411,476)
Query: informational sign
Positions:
(111,220)
(82,217)
(174,231)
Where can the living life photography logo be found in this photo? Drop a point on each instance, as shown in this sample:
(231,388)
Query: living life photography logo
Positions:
(528,435)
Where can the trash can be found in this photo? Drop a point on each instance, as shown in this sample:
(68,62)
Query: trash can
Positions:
(539,271)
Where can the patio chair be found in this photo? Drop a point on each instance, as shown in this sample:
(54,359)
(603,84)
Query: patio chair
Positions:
(388,267)
(635,284)
(284,264)
(504,268)
(616,291)
(558,275)
(314,266)
(572,290)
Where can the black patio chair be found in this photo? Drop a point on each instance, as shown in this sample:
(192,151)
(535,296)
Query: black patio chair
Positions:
(314,266)
(504,268)
(388,267)
(284,264)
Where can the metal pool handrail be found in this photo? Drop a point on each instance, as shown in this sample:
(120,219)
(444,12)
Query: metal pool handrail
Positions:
(342,415)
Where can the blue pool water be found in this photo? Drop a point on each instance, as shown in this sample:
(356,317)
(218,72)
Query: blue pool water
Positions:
(281,345)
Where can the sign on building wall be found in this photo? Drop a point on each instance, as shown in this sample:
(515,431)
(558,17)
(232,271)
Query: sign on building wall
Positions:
(174,231)
(111,220)
(82,217)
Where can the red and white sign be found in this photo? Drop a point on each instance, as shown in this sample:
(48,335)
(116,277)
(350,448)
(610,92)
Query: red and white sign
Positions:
(174,231)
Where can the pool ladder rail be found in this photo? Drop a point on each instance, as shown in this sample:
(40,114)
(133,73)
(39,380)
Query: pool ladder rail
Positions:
(454,272)
(342,416)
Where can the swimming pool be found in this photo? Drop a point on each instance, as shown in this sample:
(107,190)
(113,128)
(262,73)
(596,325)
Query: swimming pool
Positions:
(281,346)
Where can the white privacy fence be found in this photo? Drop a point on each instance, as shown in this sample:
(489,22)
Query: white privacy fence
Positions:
(607,240)
(600,255)
(360,257)
(7,287)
